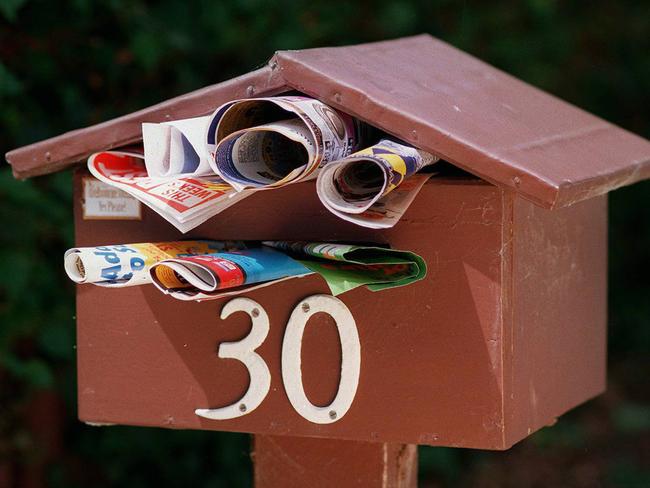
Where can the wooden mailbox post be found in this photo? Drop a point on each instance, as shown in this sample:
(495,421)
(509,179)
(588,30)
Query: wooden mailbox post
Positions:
(506,333)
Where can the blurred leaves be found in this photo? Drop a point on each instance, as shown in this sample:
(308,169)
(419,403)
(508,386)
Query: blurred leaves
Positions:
(35,372)
(198,459)
(9,8)
(72,63)
(9,85)
(631,418)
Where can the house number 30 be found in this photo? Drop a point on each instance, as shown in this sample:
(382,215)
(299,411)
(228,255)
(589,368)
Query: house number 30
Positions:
(260,376)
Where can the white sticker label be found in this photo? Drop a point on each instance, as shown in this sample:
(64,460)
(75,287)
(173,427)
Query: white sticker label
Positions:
(102,201)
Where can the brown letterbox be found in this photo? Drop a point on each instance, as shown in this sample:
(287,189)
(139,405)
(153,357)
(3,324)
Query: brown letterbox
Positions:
(508,329)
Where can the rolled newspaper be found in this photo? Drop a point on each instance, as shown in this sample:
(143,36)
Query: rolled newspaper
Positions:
(270,142)
(361,187)
(176,148)
(129,264)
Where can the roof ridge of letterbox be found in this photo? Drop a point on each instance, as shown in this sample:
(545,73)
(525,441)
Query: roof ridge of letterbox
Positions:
(474,115)
(426,92)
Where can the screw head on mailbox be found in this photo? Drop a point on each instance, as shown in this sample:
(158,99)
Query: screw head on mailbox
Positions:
(506,333)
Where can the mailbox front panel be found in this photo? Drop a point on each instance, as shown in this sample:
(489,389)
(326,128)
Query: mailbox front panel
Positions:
(433,359)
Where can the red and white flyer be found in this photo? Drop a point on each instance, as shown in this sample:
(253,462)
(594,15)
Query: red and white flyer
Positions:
(185,202)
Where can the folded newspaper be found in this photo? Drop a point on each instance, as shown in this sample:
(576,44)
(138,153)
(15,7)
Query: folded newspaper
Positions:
(202,270)
(375,186)
(216,275)
(185,201)
(348,266)
(270,142)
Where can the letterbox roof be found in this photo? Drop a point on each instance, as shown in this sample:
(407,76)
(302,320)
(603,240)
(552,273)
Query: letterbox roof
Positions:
(425,92)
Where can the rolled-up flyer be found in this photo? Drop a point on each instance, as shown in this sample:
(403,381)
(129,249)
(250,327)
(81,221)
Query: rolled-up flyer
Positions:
(128,264)
(176,148)
(375,186)
(270,142)
(206,276)
(354,184)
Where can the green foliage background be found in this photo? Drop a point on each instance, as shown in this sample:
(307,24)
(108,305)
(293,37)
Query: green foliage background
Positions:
(72,63)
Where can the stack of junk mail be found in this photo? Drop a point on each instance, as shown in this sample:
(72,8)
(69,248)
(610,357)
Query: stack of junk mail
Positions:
(190,170)
(203,270)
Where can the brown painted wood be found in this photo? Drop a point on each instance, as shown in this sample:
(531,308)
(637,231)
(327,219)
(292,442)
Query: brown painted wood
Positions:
(550,297)
(59,152)
(479,118)
(294,462)
(506,333)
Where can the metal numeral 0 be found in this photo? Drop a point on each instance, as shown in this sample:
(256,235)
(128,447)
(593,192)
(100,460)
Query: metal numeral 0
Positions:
(350,360)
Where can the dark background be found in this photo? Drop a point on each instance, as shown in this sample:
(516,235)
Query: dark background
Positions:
(68,64)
